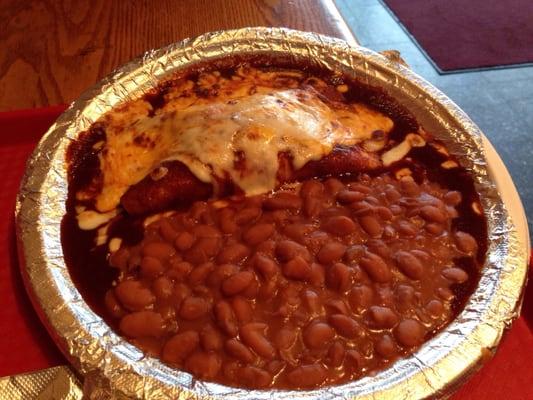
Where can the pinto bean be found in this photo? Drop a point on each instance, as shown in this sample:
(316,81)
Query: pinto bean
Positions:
(193,308)
(256,377)
(160,250)
(317,275)
(238,350)
(409,186)
(316,240)
(180,292)
(434,229)
(283,201)
(311,188)
(268,290)
(389,232)
(199,274)
(266,266)
(360,297)
(349,196)
(409,265)
(379,247)
(179,346)
(206,231)
(274,367)
(421,255)
(179,270)
(297,268)
(337,306)
(435,308)
(237,283)
(209,245)
(167,230)
(445,294)
(142,323)
(376,268)
(452,212)
(226,220)
(362,208)
(203,250)
(184,241)
(383,317)
(211,338)
(385,213)
(407,229)
(252,289)
(220,273)
(360,187)
(333,186)
(232,369)
(203,365)
(151,267)
(311,300)
(258,233)
(242,309)
(456,275)
(385,346)
(133,295)
(112,305)
(409,333)
(119,259)
(354,253)
(338,277)
(453,198)
(392,195)
(233,253)
(433,214)
(253,335)
(286,338)
(318,334)
(266,248)
(385,296)
(353,361)
(405,297)
(336,354)
(312,206)
(286,250)
(339,225)
(226,318)
(307,375)
(465,242)
(247,215)
(345,326)
(331,252)
(371,225)
(163,288)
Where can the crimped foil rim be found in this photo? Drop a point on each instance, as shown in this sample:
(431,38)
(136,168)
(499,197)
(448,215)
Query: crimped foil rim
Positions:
(115,369)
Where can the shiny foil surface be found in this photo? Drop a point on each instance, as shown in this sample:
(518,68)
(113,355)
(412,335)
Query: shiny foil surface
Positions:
(58,383)
(113,368)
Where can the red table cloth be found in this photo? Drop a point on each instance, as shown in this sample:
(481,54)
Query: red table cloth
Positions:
(25,345)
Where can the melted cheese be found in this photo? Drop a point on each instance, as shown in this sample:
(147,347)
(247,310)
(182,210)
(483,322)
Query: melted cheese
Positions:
(208,137)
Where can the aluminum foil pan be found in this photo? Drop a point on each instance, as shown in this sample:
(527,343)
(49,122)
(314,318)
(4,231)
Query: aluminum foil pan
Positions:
(112,368)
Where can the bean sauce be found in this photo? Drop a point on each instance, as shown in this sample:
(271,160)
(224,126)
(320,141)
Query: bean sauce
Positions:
(319,283)
(292,299)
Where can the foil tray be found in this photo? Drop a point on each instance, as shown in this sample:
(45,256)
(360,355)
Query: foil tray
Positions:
(113,368)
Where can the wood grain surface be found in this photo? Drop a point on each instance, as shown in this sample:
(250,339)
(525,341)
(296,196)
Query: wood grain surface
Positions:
(52,50)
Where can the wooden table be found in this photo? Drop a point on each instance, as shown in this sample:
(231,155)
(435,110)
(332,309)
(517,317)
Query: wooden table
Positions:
(51,51)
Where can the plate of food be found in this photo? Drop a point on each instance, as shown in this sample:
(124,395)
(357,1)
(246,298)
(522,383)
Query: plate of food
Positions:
(266,212)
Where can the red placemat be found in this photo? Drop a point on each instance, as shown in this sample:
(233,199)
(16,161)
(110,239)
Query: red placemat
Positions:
(25,346)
